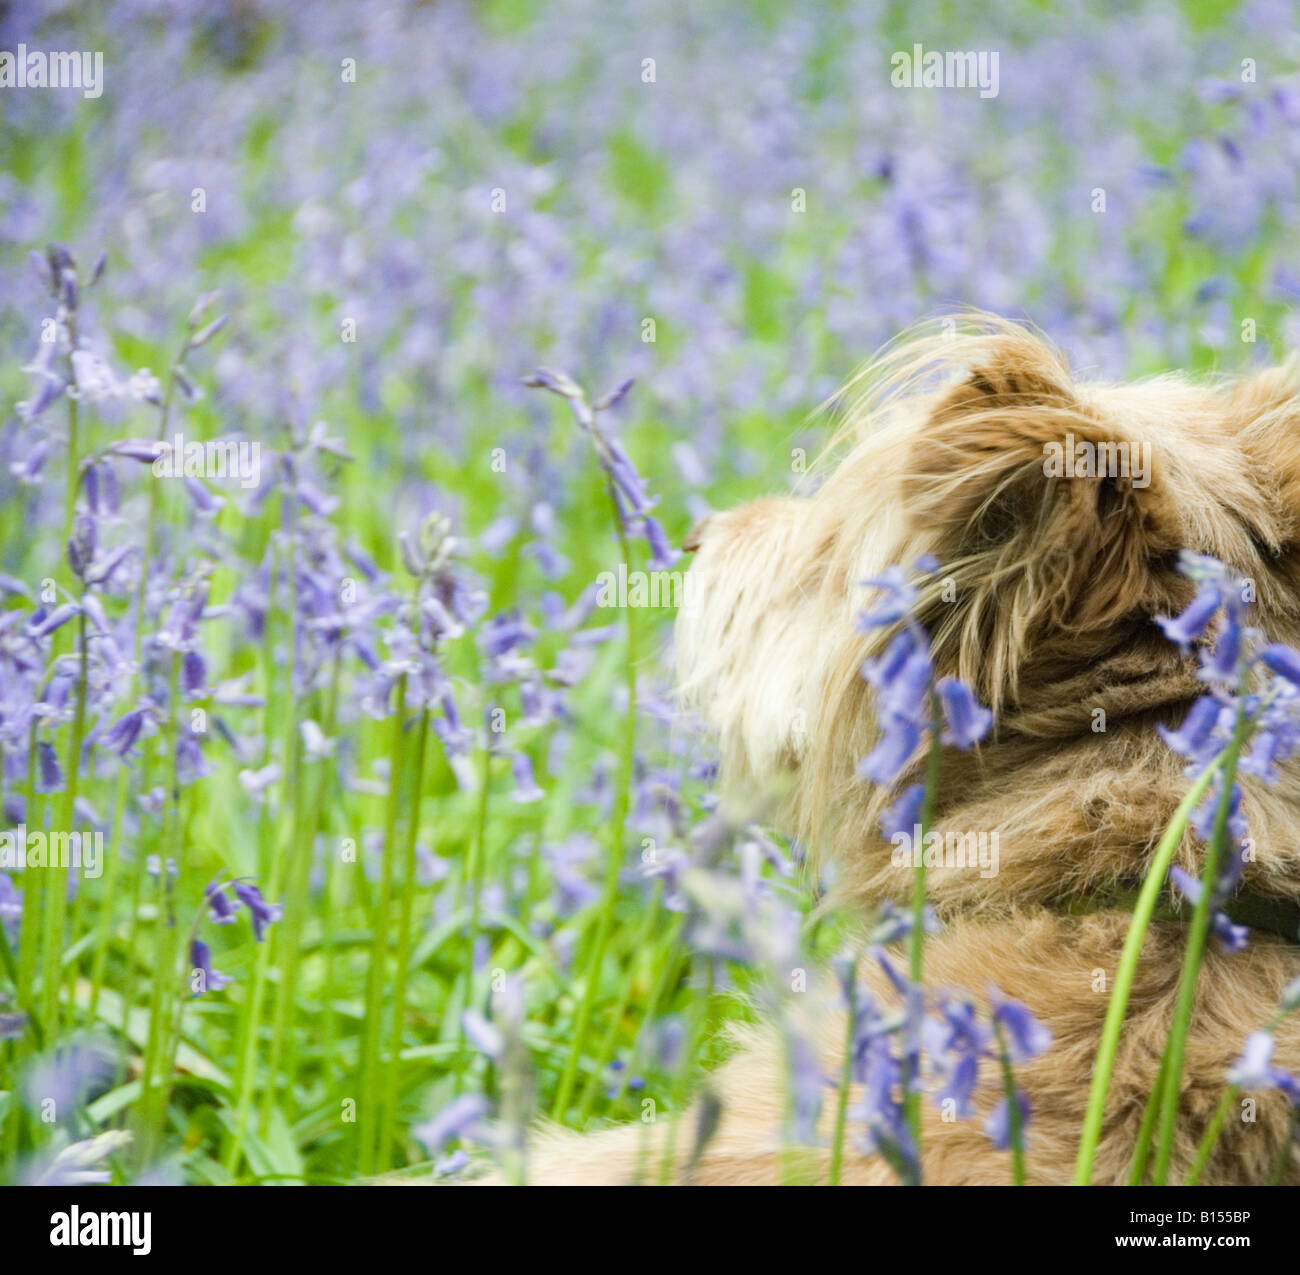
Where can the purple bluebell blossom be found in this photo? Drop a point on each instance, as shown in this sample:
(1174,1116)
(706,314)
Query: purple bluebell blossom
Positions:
(903,679)
(1254,1070)
(904,813)
(806,1083)
(49,774)
(998,1125)
(1233,937)
(1187,628)
(967,721)
(461,1118)
(895,600)
(220,910)
(43,623)
(1191,737)
(260,911)
(1025,1036)
(209,979)
(11,902)
(886,761)
(482,1034)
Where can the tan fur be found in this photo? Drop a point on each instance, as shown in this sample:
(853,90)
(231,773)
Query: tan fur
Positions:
(1054,585)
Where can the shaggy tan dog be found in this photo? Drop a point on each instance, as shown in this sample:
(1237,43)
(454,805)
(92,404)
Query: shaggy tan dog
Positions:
(1052,584)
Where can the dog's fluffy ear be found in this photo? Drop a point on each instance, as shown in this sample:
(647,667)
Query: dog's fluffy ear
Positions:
(1033,554)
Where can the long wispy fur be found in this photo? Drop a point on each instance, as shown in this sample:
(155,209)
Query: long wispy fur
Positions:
(1045,604)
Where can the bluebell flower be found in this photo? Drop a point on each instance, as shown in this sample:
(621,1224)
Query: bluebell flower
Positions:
(210,980)
(956,1042)
(1255,1069)
(1233,937)
(449,1165)
(1190,738)
(1186,628)
(503,634)
(903,678)
(1025,1036)
(261,912)
(1258,759)
(894,749)
(966,719)
(881,672)
(11,902)
(662,555)
(194,675)
(806,1082)
(43,622)
(893,924)
(998,1125)
(895,601)
(220,910)
(904,695)
(49,774)
(526,789)
(1205,814)
(461,1118)
(1282,660)
(482,1034)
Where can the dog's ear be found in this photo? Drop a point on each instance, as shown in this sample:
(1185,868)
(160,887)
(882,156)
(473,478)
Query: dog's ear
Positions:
(1263,414)
(1045,519)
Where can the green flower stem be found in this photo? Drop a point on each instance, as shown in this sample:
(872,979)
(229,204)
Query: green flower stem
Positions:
(1195,950)
(1126,971)
(270,864)
(698,1026)
(288,940)
(846,1076)
(1284,1152)
(617,845)
(916,943)
(1016,1126)
(13,1123)
(28,943)
(154,1086)
(1138,1165)
(56,892)
(333,907)
(33,886)
(73,768)
(74,468)
(1206,1149)
(475,871)
(606,1052)
(369,1099)
(388,1118)
(669,964)
(99,961)
(1230,1096)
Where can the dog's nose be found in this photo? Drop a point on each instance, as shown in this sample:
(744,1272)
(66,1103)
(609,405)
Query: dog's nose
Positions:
(696,535)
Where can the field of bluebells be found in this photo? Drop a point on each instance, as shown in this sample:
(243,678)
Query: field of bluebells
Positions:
(402,839)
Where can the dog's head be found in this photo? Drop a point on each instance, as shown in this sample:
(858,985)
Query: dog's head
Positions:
(1056,507)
